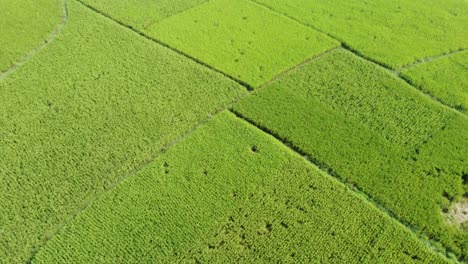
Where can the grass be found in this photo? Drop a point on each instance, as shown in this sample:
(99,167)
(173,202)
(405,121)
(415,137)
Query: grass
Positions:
(394,33)
(140,14)
(25,24)
(445,78)
(373,131)
(230,193)
(242,39)
(93,106)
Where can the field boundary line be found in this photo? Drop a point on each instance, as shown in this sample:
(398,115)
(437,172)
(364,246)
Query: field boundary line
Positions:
(342,42)
(175,14)
(347,47)
(297,66)
(334,175)
(46,42)
(157,41)
(429,59)
(414,86)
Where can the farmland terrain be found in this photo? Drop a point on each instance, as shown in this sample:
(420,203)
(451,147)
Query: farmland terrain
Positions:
(26,26)
(248,131)
(267,204)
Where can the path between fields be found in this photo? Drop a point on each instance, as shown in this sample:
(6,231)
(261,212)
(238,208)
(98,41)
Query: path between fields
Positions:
(386,67)
(58,29)
(322,166)
(429,59)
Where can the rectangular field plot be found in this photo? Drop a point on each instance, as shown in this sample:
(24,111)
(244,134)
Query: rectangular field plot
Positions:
(374,131)
(242,39)
(229,193)
(395,33)
(446,79)
(90,108)
(140,14)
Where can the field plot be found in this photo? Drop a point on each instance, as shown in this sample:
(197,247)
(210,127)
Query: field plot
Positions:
(395,33)
(231,194)
(94,105)
(242,39)
(246,131)
(373,131)
(445,78)
(25,24)
(140,14)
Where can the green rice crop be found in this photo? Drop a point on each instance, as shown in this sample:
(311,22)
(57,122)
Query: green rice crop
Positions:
(109,151)
(446,79)
(242,39)
(92,107)
(394,33)
(140,14)
(25,24)
(231,194)
(375,132)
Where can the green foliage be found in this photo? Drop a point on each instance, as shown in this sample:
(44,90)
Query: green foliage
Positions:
(231,194)
(100,102)
(373,131)
(445,78)
(90,108)
(395,32)
(24,25)
(140,14)
(241,38)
